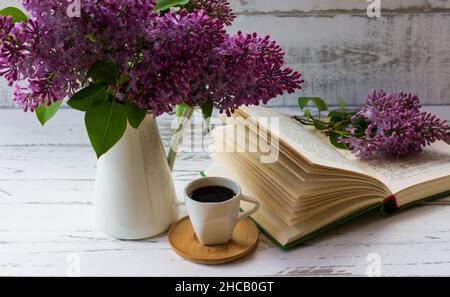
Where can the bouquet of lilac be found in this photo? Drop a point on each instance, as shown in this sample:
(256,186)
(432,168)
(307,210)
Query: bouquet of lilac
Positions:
(118,60)
(389,124)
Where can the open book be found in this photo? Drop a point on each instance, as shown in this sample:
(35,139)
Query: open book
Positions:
(309,185)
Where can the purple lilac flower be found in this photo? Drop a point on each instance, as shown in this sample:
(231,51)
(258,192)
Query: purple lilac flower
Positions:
(6,25)
(219,9)
(177,47)
(53,51)
(244,70)
(179,57)
(395,126)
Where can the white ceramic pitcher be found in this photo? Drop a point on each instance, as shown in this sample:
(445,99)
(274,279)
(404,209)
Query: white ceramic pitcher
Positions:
(134,194)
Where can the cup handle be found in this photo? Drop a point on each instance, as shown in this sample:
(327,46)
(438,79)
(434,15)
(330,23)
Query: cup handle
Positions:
(250,211)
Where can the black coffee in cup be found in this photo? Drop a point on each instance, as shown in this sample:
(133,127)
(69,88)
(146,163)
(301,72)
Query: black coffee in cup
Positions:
(212,194)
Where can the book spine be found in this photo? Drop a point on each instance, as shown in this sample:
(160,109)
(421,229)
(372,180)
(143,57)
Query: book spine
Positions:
(390,204)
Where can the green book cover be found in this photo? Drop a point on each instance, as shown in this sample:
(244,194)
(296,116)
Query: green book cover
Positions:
(347,218)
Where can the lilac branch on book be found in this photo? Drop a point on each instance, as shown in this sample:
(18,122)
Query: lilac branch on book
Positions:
(388,124)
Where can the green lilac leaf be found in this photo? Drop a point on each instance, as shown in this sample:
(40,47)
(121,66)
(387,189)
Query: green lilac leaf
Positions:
(85,97)
(342,104)
(104,71)
(318,102)
(45,113)
(207,111)
(17,14)
(106,123)
(336,116)
(123,79)
(135,114)
(308,114)
(319,125)
(334,141)
(351,114)
(162,5)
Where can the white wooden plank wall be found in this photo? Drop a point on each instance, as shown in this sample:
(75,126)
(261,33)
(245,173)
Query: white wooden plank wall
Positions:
(342,52)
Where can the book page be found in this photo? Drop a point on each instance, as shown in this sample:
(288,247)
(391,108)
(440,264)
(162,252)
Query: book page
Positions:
(398,174)
(302,140)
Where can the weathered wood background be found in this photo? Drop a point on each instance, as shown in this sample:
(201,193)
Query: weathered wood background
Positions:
(342,52)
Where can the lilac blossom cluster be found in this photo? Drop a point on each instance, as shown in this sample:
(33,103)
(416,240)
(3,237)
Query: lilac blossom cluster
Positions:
(53,52)
(392,124)
(168,59)
(246,69)
(219,9)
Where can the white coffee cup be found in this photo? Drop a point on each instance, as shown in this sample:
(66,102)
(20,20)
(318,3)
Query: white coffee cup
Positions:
(214,222)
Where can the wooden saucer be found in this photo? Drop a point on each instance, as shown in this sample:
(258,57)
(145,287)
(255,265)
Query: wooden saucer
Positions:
(184,242)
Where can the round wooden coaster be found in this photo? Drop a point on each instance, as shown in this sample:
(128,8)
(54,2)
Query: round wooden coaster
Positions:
(184,242)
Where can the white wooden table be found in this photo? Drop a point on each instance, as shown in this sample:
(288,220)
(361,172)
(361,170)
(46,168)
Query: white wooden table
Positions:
(47,226)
